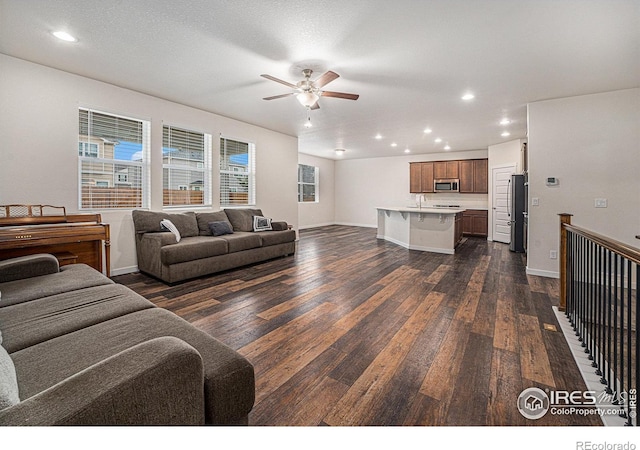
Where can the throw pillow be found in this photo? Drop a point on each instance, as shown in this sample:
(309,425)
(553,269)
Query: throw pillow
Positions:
(261,223)
(220,228)
(168,225)
(8,381)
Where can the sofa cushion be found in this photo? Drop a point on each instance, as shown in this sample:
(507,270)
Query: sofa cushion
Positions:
(220,228)
(229,378)
(8,382)
(261,223)
(242,241)
(242,219)
(29,323)
(192,248)
(277,237)
(70,278)
(204,219)
(168,225)
(149,222)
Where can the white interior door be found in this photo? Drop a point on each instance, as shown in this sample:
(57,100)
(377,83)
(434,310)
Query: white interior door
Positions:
(500,222)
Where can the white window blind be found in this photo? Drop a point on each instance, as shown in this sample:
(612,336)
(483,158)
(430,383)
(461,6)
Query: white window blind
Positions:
(237,172)
(307,183)
(112,159)
(186,172)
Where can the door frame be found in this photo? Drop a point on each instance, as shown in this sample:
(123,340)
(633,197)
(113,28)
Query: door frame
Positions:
(513,165)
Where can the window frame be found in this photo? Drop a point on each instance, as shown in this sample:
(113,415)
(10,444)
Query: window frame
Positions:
(86,140)
(315,184)
(203,167)
(235,170)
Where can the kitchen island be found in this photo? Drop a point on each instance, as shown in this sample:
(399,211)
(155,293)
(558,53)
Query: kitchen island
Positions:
(427,229)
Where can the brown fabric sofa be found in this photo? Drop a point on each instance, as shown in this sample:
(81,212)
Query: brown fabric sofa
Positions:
(78,349)
(199,252)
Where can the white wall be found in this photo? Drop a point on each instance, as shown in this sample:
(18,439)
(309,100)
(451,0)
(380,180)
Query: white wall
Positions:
(501,155)
(364,184)
(39,128)
(592,144)
(321,212)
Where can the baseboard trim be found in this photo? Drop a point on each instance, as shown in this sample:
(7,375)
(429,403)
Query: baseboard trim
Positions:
(363,225)
(417,247)
(307,227)
(543,273)
(124,270)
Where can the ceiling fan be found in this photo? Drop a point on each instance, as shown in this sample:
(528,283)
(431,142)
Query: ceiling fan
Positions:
(307,91)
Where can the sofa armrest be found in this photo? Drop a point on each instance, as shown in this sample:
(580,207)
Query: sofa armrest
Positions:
(157,382)
(279,226)
(28,266)
(159,240)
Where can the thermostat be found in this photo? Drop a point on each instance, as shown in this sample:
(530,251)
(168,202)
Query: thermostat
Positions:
(552,181)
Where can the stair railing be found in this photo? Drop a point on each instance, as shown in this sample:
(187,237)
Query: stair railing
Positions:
(599,295)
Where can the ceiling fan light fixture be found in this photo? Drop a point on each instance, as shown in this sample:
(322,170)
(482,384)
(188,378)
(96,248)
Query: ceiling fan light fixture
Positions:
(307,99)
(308,124)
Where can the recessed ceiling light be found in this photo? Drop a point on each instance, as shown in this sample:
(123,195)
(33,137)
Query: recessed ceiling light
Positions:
(505,121)
(393,144)
(505,134)
(340,151)
(64,36)
(378,136)
(438,140)
(406,150)
(428,130)
(468,96)
(447,147)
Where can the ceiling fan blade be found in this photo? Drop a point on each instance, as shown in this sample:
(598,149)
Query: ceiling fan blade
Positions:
(340,95)
(277,80)
(325,78)
(279,96)
(315,106)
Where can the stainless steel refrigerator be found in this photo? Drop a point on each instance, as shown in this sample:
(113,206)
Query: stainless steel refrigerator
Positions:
(517,204)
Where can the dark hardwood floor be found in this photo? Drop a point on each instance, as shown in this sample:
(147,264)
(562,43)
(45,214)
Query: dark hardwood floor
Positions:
(357,331)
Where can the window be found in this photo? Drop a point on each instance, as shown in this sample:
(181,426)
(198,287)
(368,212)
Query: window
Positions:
(112,160)
(87,149)
(237,173)
(186,167)
(307,183)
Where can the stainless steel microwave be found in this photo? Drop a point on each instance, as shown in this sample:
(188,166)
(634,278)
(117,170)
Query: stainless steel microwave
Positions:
(448,185)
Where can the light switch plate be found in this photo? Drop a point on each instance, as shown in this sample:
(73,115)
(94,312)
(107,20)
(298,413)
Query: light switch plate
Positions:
(535,201)
(601,203)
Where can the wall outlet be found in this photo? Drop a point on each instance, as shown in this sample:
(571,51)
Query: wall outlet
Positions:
(601,203)
(535,201)
(553,254)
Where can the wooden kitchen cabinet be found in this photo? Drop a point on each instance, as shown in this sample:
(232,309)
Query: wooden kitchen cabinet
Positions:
(421,177)
(480,176)
(446,169)
(472,173)
(475,222)
(474,176)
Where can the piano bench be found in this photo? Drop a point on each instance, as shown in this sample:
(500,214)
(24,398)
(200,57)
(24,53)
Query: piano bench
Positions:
(65,258)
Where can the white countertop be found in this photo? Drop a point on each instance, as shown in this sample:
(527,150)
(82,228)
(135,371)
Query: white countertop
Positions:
(423,210)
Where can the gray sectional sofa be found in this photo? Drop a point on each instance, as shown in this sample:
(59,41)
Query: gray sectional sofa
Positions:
(199,252)
(78,349)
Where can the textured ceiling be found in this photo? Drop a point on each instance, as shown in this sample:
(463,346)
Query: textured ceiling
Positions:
(410,60)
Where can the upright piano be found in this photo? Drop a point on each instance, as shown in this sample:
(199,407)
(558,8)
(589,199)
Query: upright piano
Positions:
(72,238)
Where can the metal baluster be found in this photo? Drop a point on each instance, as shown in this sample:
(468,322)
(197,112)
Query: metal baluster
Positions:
(620,385)
(629,300)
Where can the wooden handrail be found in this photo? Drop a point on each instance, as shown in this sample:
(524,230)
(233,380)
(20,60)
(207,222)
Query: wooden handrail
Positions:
(627,251)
